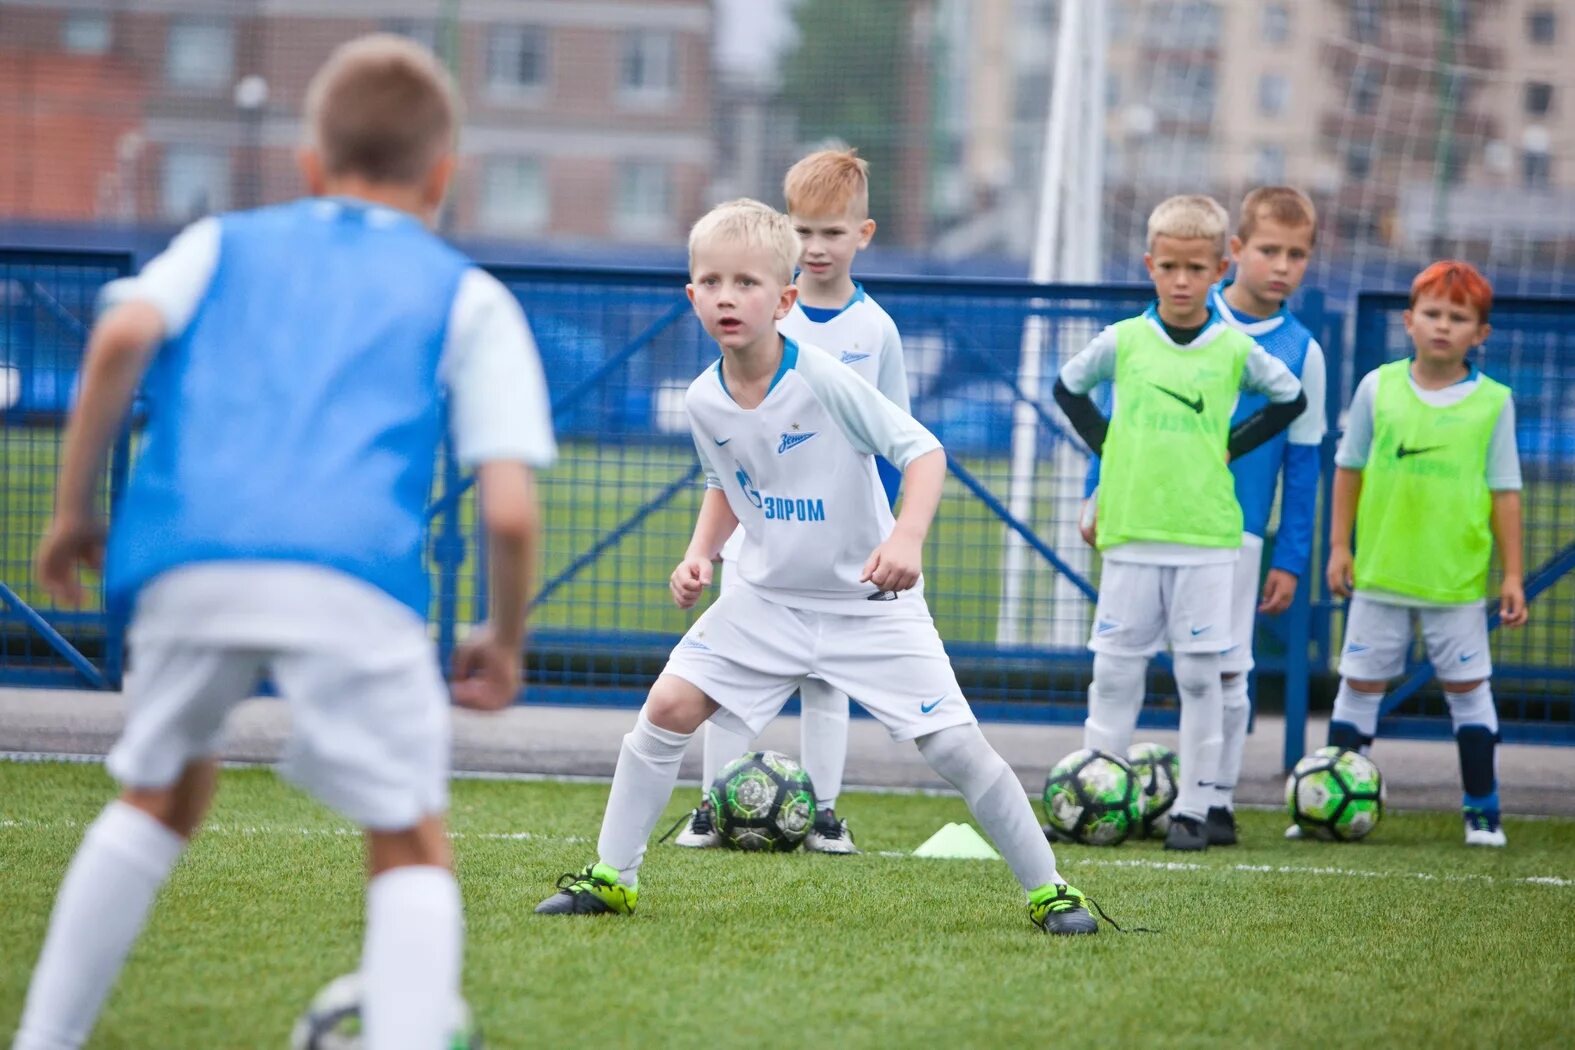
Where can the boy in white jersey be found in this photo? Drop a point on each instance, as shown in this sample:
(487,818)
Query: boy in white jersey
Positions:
(788,436)
(294,360)
(827,196)
(1429,475)
(1168,522)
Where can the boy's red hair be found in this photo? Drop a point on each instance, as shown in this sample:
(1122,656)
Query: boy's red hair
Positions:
(1456,281)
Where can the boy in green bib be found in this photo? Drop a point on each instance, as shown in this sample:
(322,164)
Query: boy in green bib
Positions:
(1168,524)
(1429,474)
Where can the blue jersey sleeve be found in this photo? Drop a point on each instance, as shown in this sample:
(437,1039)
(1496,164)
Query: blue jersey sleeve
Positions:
(1298,509)
(890,478)
(1104,397)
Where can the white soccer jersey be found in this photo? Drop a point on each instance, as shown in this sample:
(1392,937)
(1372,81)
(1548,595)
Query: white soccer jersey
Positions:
(799,472)
(865,339)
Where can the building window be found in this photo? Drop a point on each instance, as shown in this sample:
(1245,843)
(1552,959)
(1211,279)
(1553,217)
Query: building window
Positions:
(1542,26)
(1268,165)
(1274,91)
(86,33)
(1367,21)
(1539,98)
(196,182)
(1367,83)
(1359,161)
(514,196)
(517,59)
(200,54)
(1536,169)
(648,66)
(644,204)
(422,30)
(1276,23)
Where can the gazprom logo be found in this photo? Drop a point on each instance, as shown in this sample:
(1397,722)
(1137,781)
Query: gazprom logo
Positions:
(780,508)
(852,357)
(794,440)
(751,493)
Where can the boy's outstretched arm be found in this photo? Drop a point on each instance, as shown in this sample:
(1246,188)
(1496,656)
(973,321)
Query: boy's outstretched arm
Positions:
(1507,534)
(487,673)
(714,524)
(898,562)
(119,350)
(1342,517)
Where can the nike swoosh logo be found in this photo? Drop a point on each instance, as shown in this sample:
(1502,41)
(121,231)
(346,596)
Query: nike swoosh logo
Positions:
(1355,648)
(932,705)
(1466,658)
(1196,404)
(721,441)
(1199,630)
(1402,452)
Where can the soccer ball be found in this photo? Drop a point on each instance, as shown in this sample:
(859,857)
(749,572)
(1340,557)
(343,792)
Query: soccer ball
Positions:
(1158,772)
(762,801)
(1335,793)
(1092,797)
(333,1021)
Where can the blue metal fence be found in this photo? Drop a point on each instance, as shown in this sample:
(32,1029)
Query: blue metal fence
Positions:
(621,346)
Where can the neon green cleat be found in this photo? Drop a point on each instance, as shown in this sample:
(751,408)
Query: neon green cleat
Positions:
(592,892)
(1060,909)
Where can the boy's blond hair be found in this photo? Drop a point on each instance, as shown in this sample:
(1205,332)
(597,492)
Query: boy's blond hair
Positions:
(754,225)
(1285,205)
(1191,216)
(382,107)
(829,182)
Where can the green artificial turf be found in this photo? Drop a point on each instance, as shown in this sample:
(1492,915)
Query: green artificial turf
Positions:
(1406,938)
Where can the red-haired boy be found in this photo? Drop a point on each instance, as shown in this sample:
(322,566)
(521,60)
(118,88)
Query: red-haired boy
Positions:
(1429,475)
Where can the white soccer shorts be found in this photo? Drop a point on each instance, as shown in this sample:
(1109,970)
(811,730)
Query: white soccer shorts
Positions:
(749,654)
(370,736)
(1244,606)
(1378,639)
(1143,608)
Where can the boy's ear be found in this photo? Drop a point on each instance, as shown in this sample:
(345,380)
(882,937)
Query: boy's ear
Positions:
(1483,331)
(866,232)
(435,186)
(1148,263)
(310,163)
(689,290)
(785,303)
(1405,319)
(1222,269)
(1236,245)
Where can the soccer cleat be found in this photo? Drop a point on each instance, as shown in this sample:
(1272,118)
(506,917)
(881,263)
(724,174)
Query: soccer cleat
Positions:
(829,835)
(1483,828)
(1058,908)
(594,891)
(1220,827)
(701,832)
(1294,832)
(1186,833)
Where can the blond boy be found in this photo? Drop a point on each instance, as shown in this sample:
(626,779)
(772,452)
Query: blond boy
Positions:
(827,196)
(295,358)
(788,439)
(1168,522)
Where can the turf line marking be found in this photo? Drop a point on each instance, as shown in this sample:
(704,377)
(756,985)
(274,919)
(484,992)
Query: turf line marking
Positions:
(251,830)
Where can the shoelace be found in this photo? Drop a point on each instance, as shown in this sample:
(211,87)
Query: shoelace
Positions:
(834,829)
(570,879)
(701,817)
(1092,903)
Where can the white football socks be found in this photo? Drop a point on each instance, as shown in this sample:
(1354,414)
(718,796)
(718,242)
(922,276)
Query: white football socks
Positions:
(1202,731)
(1114,698)
(823,734)
(1233,742)
(642,783)
(103,903)
(410,960)
(965,759)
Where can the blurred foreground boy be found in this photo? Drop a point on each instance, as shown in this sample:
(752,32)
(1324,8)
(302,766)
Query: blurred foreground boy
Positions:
(295,362)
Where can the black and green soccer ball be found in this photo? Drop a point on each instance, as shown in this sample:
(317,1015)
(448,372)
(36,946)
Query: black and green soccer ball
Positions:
(762,801)
(1092,797)
(1159,774)
(1335,793)
(333,1020)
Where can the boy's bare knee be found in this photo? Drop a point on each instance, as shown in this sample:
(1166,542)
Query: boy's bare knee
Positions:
(1462,687)
(425,845)
(1364,685)
(677,706)
(181,806)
